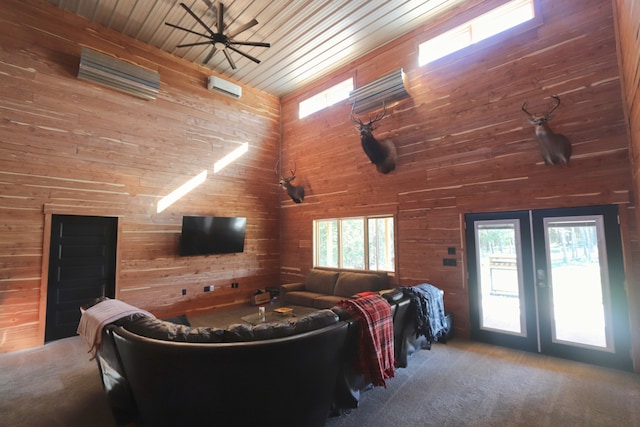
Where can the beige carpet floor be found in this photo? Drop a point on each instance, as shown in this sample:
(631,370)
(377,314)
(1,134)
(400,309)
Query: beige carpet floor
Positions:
(461,383)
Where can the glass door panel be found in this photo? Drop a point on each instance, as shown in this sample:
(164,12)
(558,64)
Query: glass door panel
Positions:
(499,254)
(576,259)
(501,286)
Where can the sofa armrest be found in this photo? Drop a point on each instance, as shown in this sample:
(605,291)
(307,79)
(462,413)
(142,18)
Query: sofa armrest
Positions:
(392,295)
(289,287)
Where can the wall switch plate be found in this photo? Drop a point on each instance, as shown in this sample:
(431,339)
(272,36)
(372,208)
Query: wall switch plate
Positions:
(184,292)
(451,251)
(208,288)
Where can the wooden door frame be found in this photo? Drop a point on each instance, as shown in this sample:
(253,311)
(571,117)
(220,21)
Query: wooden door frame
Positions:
(48,211)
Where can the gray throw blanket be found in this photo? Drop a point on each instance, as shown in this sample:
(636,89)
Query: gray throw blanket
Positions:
(429,304)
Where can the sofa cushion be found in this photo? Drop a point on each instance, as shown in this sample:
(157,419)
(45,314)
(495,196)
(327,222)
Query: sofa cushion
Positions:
(151,327)
(320,281)
(281,329)
(351,283)
(303,298)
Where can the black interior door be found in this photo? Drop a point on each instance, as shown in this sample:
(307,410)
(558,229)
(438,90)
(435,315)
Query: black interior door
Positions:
(82,265)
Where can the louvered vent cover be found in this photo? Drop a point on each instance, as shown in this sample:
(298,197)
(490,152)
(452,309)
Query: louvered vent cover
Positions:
(119,75)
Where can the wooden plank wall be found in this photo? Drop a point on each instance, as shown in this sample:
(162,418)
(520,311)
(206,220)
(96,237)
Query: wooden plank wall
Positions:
(68,146)
(628,30)
(464,144)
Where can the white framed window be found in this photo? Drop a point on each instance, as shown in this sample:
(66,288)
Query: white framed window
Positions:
(359,243)
(497,20)
(325,98)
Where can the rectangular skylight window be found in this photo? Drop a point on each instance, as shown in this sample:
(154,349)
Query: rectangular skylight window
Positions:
(482,27)
(325,98)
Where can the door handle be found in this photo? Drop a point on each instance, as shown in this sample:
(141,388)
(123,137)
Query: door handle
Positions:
(541,278)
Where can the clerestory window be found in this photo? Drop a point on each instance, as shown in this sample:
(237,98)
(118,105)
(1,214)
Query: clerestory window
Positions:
(326,98)
(495,21)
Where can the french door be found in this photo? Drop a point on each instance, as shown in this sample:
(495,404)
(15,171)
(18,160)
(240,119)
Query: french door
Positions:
(550,281)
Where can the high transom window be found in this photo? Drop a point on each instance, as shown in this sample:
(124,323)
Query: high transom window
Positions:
(502,18)
(360,243)
(325,98)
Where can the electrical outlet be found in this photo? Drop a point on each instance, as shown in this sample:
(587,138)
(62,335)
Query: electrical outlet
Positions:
(208,288)
(234,284)
(450,262)
(184,292)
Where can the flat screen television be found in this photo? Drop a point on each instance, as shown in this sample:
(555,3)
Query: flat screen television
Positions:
(207,235)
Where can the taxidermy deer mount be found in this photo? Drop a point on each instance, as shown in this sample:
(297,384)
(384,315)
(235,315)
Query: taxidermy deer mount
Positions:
(296,192)
(554,148)
(381,153)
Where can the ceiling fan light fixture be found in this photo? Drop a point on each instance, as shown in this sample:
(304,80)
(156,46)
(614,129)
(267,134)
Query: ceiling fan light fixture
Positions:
(219,40)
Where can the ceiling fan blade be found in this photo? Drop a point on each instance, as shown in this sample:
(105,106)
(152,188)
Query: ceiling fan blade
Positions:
(220,18)
(210,54)
(193,44)
(187,30)
(185,7)
(245,27)
(250,43)
(256,60)
(233,64)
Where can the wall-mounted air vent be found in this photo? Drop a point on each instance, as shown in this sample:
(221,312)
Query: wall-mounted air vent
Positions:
(389,88)
(219,85)
(119,75)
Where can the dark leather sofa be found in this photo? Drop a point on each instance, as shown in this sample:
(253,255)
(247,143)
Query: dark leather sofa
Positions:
(160,373)
(283,381)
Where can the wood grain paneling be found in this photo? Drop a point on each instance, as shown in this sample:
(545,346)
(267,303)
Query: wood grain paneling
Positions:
(465,146)
(68,146)
(71,147)
(628,30)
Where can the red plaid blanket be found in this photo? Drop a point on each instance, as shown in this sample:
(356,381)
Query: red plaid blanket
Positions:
(375,357)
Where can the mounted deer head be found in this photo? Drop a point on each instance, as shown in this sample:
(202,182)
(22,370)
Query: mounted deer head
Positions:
(381,153)
(554,148)
(296,192)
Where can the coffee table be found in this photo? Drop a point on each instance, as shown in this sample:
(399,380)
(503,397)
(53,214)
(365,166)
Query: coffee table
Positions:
(271,316)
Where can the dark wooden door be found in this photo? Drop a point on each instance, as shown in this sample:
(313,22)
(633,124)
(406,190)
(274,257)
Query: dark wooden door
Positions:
(82,265)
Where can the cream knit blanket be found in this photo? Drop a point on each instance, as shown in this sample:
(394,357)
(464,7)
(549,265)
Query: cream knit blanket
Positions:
(95,318)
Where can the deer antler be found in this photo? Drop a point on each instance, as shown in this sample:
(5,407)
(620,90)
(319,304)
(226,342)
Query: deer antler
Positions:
(289,178)
(293,172)
(557,98)
(546,116)
(358,121)
(381,115)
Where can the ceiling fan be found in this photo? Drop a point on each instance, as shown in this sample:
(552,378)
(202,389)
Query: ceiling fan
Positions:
(219,40)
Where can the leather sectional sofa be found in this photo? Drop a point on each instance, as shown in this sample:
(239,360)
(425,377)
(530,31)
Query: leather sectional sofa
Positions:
(159,373)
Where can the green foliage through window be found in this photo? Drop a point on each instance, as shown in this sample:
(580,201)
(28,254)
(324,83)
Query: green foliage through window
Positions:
(362,243)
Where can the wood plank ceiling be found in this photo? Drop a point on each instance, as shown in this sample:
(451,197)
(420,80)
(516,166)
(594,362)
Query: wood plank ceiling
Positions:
(309,38)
